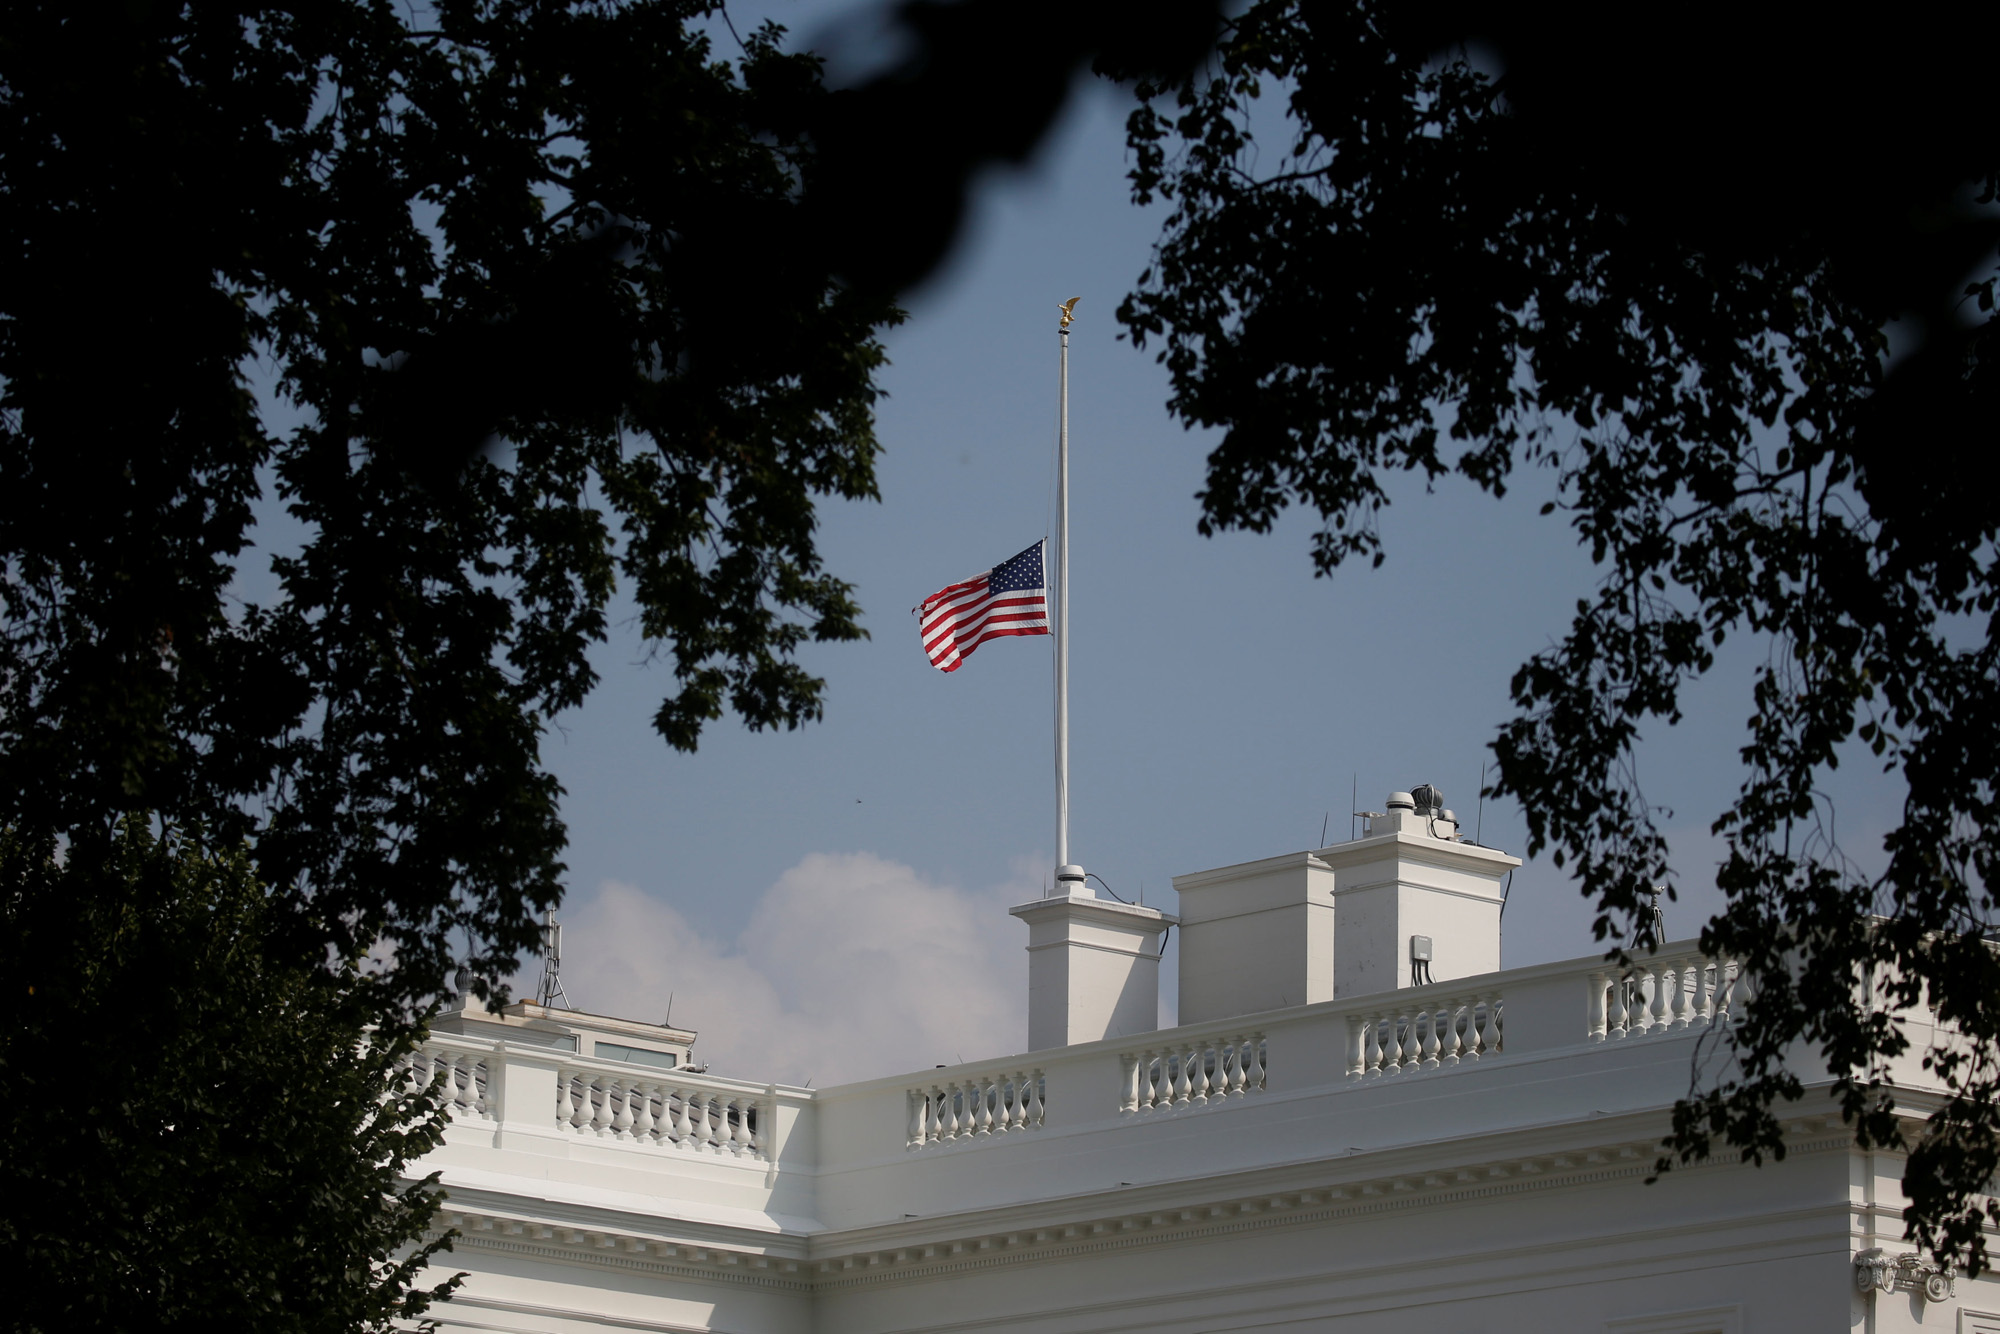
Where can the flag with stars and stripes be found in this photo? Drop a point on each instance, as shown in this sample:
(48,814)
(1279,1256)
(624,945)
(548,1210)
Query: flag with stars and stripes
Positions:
(1012,598)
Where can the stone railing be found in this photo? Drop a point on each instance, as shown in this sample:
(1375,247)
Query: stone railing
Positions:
(464,1074)
(1180,1074)
(975,1106)
(1666,993)
(1411,1032)
(671,1113)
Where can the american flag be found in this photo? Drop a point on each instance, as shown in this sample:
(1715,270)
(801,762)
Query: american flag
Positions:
(1012,598)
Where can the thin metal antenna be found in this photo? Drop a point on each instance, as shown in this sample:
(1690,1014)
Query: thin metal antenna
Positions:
(1354,807)
(549,993)
(1322,827)
(1479,816)
(668,1022)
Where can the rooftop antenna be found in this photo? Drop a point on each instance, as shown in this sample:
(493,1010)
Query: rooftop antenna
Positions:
(549,994)
(1479,812)
(1353,805)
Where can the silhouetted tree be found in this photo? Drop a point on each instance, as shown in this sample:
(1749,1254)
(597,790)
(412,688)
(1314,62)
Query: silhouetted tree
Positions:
(1648,259)
(195,1137)
(505,302)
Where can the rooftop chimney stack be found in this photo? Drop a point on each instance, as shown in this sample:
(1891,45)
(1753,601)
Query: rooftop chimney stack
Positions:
(1093,966)
(1407,903)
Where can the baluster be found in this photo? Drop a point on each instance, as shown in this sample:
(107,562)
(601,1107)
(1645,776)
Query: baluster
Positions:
(463,1100)
(645,1121)
(1357,1048)
(1658,972)
(1449,1043)
(1729,990)
(1146,1093)
(1256,1078)
(1683,984)
(701,1121)
(1177,1077)
(673,1116)
(916,1127)
(1704,997)
(1017,1107)
(1619,1022)
(1036,1108)
(1496,1022)
(618,1097)
(739,1136)
(717,1121)
(1128,1067)
(1198,1073)
(982,1114)
(1478,1027)
(446,1079)
(765,1115)
(1399,1036)
(1597,1003)
(1428,1025)
(1371,1032)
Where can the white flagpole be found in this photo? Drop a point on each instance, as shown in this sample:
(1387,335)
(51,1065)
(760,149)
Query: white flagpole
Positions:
(1069,877)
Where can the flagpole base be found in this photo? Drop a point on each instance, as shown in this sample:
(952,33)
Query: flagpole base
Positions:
(1069,880)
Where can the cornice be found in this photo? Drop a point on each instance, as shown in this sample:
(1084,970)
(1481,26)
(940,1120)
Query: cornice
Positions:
(838,1264)
(923,1250)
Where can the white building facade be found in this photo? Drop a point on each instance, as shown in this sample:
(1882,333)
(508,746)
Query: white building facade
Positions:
(1330,1143)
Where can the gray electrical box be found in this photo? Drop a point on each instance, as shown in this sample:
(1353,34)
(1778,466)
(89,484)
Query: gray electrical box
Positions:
(1420,949)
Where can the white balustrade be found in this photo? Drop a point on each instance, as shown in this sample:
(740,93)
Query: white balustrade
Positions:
(1181,1074)
(665,1112)
(976,1106)
(1662,994)
(1411,1033)
(462,1074)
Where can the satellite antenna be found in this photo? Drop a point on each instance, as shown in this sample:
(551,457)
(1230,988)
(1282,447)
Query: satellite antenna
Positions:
(549,994)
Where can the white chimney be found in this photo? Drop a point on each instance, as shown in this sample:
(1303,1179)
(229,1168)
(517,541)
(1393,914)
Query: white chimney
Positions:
(1406,903)
(1093,967)
(1255,937)
(1409,886)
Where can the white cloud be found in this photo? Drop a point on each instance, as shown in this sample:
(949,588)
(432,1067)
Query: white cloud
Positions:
(851,967)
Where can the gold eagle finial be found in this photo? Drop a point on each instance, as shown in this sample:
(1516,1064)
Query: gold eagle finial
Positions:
(1068,308)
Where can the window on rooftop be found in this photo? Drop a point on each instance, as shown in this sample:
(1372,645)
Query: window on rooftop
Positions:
(614,1051)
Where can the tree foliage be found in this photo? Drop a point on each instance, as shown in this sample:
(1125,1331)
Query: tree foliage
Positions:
(505,301)
(1646,269)
(196,1137)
